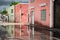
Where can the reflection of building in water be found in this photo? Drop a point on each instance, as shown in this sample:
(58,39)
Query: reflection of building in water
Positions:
(3,32)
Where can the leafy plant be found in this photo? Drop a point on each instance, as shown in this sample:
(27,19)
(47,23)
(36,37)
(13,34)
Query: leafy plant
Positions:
(4,12)
(13,3)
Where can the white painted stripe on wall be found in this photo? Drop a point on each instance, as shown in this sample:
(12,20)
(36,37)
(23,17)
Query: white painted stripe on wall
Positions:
(51,13)
(13,23)
(51,18)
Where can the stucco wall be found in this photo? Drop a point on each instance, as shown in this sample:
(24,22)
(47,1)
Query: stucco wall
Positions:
(37,11)
(23,10)
(10,28)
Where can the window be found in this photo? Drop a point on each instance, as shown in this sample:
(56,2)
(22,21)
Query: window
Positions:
(32,0)
(11,10)
(43,15)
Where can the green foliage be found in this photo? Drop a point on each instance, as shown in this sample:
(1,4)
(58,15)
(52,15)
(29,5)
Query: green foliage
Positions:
(13,3)
(4,12)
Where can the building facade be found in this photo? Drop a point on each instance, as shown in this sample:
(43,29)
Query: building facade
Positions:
(10,28)
(40,12)
(21,11)
(43,16)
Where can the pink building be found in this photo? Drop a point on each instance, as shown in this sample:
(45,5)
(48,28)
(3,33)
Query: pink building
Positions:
(40,12)
(21,9)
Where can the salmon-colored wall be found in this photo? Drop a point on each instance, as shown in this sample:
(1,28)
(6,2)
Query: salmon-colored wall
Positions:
(24,19)
(17,20)
(37,11)
(37,14)
(17,13)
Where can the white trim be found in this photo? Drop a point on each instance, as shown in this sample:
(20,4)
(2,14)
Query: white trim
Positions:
(51,13)
(33,24)
(32,17)
(43,4)
(51,18)
(20,22)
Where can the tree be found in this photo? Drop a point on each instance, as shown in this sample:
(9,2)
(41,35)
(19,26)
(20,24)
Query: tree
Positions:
(13,3)
(4,12)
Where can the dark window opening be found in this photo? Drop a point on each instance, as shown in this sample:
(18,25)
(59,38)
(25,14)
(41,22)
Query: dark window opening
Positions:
(11,10)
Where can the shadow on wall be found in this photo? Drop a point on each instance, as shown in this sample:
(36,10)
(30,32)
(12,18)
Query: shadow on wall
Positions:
(39,26)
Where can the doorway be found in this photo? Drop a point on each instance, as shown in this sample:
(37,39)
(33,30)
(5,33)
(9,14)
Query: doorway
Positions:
(57,17)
